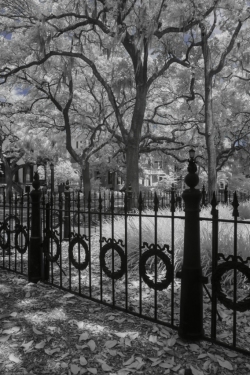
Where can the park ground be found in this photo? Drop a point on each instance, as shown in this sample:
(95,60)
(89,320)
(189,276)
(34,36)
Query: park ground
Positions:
(44,330)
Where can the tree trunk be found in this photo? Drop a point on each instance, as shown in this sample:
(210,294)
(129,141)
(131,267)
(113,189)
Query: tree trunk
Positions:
(133,141)
(86,180)
(132,166)
(209,124)
(210,142)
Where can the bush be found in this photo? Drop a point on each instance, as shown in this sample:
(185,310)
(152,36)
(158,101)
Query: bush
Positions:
(164,236)
(244,210)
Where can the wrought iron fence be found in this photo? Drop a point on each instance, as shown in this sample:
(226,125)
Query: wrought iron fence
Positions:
(125,253)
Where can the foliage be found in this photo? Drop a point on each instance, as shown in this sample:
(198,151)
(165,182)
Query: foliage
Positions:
(225,244)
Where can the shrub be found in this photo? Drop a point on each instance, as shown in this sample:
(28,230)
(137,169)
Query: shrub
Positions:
(244,210)
(164,236)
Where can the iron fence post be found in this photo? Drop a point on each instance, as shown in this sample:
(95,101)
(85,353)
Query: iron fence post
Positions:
(226,195)
(45,274)
(191,303)
(129,197)
(67,211)
(35,255)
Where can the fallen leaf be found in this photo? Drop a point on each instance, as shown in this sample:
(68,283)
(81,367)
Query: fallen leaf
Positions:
(68,295)
(12,330)
(225,364)
(201,356)
(14,314)
(92,370)
(166,365)
(2,316)
(232,354)
(194,347)
(110,343)
(111,317)
(84,336)
(14,359)
(195,371)
(83,360)
(112,352)
(36,331)
(40,345)
(121,334)
(127,342)
(152,338)
(211,356)
(120,320)
(133,335)
(74,369)
(155,329)
(81,346)
(4,338)
(80,325)
(176,368)
(91,345)
(64,364)
(129,361)
(206,365)
(27,345)
(124,372)
(171,342)
(106,367)
(51,351)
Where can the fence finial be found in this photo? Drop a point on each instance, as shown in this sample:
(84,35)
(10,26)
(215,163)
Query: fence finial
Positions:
(36,182)
(235,205)
(214,204)
(67,185)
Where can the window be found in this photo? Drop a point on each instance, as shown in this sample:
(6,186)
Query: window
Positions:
(110,177)
(29,173)
(158,164)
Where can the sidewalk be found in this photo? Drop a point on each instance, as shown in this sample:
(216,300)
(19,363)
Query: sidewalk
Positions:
(44,330)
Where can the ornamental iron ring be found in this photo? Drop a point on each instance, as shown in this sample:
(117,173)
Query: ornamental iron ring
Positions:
(116,274)
(80,266)
(216,283)
(169,271)
(21,230)
(51,235)
(8,220)
(5,244)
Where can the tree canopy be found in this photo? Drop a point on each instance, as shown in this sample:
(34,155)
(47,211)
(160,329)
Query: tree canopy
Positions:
(139,73)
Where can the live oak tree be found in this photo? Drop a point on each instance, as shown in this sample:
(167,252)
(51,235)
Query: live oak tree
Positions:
(147,36)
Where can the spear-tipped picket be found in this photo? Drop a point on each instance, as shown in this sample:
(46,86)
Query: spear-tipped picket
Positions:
(125,202)
(156,203)
(235,205)
(203,199)
(172,200)
(213,204)
(100,202)
(112,202)
(89,201)
(140,202)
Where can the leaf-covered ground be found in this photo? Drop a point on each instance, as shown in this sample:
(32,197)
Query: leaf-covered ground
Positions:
(44,330)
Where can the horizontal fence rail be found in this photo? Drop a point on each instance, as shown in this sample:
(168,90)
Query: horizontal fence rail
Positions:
(124,251)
